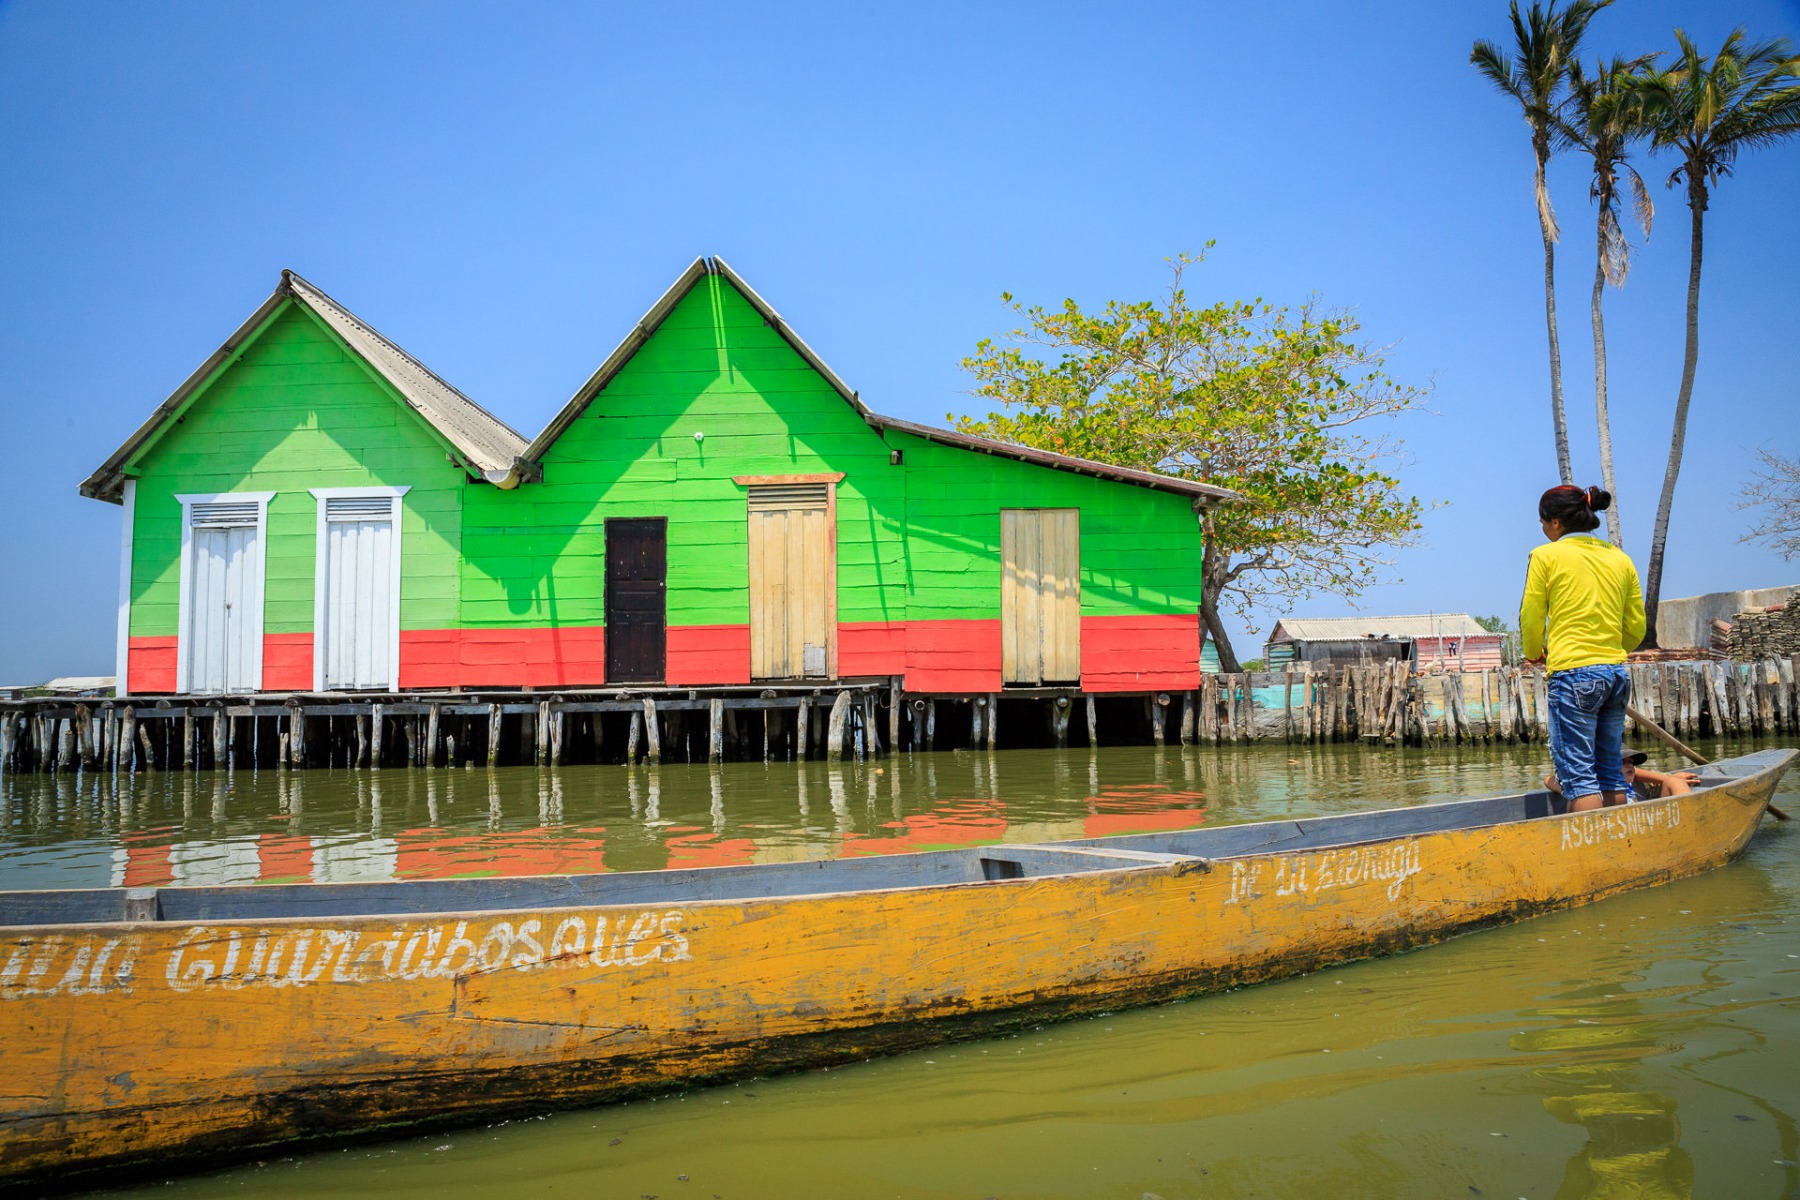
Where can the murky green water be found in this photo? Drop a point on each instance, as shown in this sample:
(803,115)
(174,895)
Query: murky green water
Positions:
(1645,1046)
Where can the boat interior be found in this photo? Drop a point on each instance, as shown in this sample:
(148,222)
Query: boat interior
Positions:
(938,868)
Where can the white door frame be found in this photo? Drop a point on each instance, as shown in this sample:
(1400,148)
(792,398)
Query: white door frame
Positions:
(253,585)
(122,656)
(321,559)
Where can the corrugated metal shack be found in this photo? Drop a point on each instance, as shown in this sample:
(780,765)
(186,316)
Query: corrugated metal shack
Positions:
(1429,642)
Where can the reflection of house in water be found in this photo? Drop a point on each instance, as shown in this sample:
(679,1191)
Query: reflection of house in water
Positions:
(1431,642)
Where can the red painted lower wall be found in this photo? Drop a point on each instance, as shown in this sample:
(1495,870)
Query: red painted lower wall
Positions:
(708,654)
(572,656)
(1118,654)
(287,662)
(1140,653)
(151,663)
(953,656)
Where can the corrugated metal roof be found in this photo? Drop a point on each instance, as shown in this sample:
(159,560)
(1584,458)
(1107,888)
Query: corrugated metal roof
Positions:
(700,268)
(487,445)
(486,442)
(1345,629)
(502,456)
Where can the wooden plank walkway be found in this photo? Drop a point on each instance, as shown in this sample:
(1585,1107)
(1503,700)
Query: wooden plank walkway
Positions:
(1376,702)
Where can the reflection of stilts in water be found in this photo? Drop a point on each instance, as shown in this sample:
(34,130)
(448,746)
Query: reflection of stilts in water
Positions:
(634,793)
(218,796)
(296,799)
(187,797)
(494,812)
(556,798)
(431,801)
(840,805)
(374,803)
(716,784)
(1093,771)
(800,795)
(1634,1139)
(653,793)
(1188,755)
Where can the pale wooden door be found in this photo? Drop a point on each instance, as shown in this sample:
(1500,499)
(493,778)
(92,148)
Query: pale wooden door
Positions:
(1040,595)
(793,582)
(360,599)
(224,620)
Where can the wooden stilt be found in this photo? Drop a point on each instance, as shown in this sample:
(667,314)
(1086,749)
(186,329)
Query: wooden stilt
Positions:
(493,735)
(558,720)
(377,735)
(894,704)
(976,707)
(635,737)
(1060,711)
(931,724)
(542,750)
(834,734)
(652,739)
(802,727)
(143,737)
(1093,723)
(433,723)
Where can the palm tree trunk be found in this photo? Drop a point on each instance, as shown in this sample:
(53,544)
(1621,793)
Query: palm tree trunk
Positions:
(1613,527)
(1557,419)
(1660,535)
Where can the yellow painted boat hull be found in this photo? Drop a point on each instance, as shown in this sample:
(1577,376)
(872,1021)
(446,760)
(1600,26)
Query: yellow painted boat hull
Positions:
(134,1042)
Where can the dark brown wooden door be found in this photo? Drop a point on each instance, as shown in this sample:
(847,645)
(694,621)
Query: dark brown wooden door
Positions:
(637,571)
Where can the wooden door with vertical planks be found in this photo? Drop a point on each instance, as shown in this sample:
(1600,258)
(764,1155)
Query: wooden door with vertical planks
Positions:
(637,569)
(793,581)
(1040,595)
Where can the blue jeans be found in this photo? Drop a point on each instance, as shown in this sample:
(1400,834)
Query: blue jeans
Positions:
(1587,729)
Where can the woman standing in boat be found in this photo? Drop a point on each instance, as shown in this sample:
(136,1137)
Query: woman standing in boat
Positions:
(1583,612)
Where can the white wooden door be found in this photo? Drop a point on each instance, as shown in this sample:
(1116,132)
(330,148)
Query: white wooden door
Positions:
(793,601)
(1040,595)
(360,598)
(223,626)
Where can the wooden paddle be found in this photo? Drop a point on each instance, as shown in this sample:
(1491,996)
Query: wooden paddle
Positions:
(1668,739)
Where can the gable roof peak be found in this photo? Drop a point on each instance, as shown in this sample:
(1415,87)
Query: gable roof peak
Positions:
(487,445)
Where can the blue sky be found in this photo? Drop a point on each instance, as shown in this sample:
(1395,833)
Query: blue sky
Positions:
(504,189)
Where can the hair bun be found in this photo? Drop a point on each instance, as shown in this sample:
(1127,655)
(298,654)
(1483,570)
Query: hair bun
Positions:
(1599,499)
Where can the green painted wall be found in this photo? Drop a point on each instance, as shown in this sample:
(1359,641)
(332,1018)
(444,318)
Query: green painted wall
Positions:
(920,541)
(1140,548)
(297,410)
(534,555)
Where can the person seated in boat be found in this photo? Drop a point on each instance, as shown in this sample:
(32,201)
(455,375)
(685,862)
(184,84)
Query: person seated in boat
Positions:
(1583,610)
(1644,784)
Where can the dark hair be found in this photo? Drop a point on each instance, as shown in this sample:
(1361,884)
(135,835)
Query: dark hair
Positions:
(1574,507)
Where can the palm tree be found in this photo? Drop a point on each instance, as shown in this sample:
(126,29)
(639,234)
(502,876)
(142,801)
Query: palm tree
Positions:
(1602,120)
(1746,97)
(1546,42)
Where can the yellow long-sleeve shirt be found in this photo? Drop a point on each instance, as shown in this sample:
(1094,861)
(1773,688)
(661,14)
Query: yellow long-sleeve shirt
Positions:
(1583,600)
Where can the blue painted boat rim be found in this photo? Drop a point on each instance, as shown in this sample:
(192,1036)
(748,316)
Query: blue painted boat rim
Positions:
(986,866)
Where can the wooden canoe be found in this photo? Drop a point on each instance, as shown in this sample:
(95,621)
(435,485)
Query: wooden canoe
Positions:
(201,1024)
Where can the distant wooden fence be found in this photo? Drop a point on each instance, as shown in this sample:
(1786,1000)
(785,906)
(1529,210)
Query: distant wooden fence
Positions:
(1383,702)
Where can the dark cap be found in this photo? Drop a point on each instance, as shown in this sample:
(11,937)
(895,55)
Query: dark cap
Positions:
(1636,758)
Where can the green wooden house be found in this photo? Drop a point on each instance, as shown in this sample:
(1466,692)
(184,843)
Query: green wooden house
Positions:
(315,510)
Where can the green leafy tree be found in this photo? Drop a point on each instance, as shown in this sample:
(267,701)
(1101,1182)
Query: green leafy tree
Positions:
(1546,41)
(1267,401)
(1602,120)
(1709,111)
